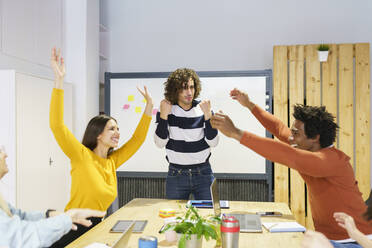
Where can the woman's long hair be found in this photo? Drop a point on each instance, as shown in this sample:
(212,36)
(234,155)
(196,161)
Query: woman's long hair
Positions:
(95,127)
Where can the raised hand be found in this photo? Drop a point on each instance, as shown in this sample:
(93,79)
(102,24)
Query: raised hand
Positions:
(224,124)
(79,216)
(242,98)
(147,96)
(165,109)
(345,221)
(58,66)
(206,108)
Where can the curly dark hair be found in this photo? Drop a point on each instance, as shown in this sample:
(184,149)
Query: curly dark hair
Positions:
(177,81)
(317,121)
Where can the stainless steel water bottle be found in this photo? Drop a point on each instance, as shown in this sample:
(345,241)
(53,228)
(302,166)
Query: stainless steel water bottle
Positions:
(230,229)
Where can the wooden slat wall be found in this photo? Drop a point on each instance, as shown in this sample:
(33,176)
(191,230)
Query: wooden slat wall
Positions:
(346,101)
(330,84)
(296,95)
(362,106)
(280,92)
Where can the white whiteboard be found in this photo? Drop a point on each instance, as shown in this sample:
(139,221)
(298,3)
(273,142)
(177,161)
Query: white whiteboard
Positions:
(127,105)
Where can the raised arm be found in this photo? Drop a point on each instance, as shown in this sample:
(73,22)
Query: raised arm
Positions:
(65,139)
(131,146)
(161,135)
(269,121)
(211,134)
(306,162)
(58,65)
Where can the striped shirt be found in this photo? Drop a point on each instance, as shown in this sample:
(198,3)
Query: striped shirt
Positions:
(187,137)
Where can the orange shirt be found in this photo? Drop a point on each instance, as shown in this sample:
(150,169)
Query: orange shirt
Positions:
(328,174)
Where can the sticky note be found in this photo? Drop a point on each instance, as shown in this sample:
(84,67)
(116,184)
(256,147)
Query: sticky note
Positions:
(126,106)
(130,98)
(138,110)
(154,111)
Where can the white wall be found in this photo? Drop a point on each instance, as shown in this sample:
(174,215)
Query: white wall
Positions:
(226,34)
(214,35)
(28,31)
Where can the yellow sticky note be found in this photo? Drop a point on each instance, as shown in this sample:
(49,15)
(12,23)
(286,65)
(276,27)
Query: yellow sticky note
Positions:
(130,98)
(144,100)
(138,109)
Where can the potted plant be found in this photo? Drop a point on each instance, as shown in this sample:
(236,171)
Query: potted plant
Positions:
(323,50)
(192,227)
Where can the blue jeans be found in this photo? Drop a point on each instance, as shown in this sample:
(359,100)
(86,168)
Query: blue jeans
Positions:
(185,180)
(345,245)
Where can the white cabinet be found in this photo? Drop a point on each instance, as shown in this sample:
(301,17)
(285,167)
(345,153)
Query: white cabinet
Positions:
(39,175)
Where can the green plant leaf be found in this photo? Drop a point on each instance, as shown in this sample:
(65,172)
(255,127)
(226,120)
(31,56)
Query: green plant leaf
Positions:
(182,241)
(209,231)
(168,227)
(323,47)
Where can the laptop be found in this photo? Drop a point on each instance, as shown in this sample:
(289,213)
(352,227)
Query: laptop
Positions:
(209,203)
(122,242)
(248,222)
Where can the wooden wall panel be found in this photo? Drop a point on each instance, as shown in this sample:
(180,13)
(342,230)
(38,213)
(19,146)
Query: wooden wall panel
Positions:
(346,100)
(296,95)
(329,82)
(280,92)
(313,98)
(362,107)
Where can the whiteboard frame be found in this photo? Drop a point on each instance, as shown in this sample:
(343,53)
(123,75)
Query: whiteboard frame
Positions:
(268,176)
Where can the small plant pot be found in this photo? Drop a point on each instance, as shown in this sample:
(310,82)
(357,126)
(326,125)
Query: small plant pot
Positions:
(323,56)
(194,242)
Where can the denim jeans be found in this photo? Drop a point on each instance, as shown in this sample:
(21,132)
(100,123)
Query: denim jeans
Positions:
(345,245)
(185,180)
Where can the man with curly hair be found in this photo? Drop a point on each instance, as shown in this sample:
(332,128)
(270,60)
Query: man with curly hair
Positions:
(308,148)
(184,129)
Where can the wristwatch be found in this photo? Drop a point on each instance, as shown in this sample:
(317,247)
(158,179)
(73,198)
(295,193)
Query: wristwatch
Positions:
(47,213)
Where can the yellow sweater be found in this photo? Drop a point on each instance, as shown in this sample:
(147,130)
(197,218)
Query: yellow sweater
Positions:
(93,178)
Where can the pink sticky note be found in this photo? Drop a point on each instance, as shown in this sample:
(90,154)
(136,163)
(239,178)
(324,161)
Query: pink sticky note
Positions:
(154,111)
(126,106)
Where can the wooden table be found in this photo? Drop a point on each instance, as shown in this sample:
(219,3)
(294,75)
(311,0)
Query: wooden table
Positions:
(148,209)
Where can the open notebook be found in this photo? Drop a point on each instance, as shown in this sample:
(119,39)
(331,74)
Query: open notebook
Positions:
(284,227)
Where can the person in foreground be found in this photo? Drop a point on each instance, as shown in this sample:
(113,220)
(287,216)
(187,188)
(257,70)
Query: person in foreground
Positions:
(318,240)
(36,229)
(184,129)
(308,148)
(93,162)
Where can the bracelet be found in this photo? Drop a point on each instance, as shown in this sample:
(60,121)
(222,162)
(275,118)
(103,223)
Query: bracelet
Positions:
(47,213)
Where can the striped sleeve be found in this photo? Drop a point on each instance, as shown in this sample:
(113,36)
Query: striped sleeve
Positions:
(161,135)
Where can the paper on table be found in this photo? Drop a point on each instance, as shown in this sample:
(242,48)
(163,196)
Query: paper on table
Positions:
(284,227)
(97,245)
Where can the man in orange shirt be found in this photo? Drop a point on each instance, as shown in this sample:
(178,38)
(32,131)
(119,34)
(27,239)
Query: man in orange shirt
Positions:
(308,148)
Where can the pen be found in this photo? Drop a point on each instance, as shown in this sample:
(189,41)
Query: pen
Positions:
(162,228)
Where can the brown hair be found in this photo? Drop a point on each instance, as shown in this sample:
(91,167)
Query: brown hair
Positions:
(94,128)
(177,81)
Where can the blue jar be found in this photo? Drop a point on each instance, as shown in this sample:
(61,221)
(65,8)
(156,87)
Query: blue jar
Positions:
(147,242)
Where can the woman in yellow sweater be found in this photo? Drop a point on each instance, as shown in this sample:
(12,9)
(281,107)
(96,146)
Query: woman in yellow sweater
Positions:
(93,162)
